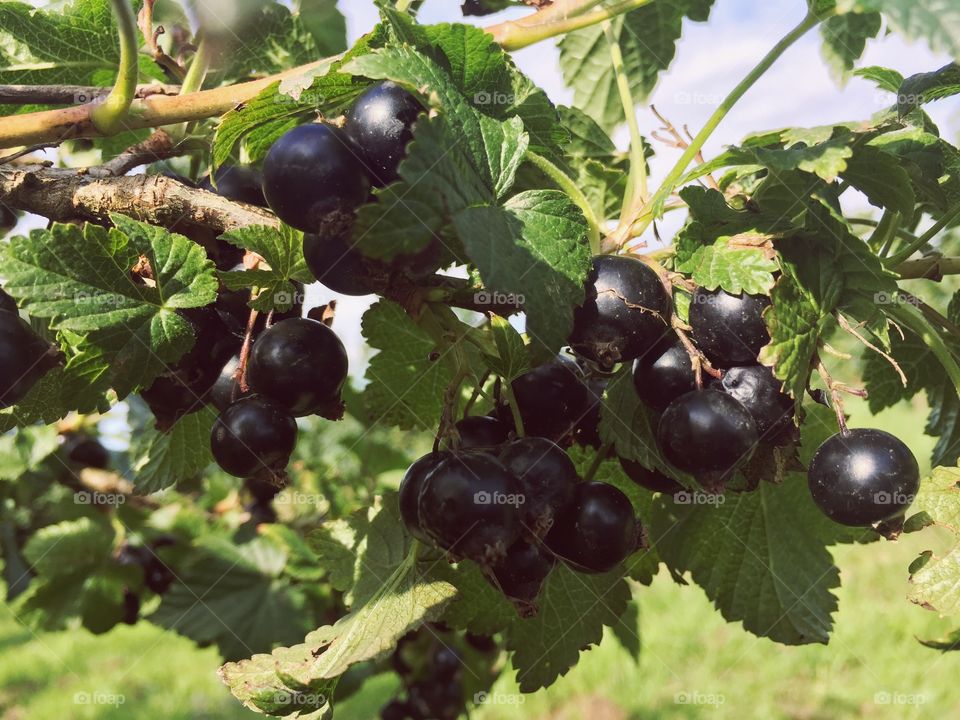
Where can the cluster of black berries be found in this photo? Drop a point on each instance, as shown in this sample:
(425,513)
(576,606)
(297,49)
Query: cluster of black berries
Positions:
(431,661)
(156,576)
(514,507)
(315,176)
(24,356)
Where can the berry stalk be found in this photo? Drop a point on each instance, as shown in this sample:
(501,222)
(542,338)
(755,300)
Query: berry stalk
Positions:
(107,117)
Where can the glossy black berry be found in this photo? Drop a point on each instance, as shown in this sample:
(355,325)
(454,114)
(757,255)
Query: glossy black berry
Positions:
(552,399)
(729,329)
(625,314)
(446,663)
(84,451)
(431,700)
(469,505)
(547,479)
(597,531)
(481,432)
(380,123)
(336,263)
(666,378)
(410,488)
(226,388)
(238,183)
(707,433)
(652,480)
(395,710)
(762,395)
(253,437)
(864,477)
(300,365)
(521,574)
(312,171)
(24,359)
(7,303)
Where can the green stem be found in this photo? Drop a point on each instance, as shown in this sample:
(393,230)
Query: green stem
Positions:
(928,268)
(403,5)
(653,208)
(910,316)
(507,389)
(636,192)
(883,237)
(557,19)
(575,194)
(197,72)
(598,459)
(107,116)
(924,239)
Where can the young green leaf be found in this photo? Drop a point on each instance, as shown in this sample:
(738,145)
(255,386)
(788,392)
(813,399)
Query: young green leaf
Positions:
(283,252)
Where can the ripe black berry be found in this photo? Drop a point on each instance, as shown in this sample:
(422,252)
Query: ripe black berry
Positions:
(552,399)
(131,607)
(481,432)
(446,663)
(226,389)
(380,123)
(429,700)
(597,531)
(521,574)
(24,359)
(652,480)
(7,303)
(626,312)
(239,183)
(410,488)
(253,437)
(312,171)
(336,264)
(666,378)
(395,710)
(864,477)
(481,643)
(728,328)
(707,433)
(468,504)
(547,479)
(300,365)
(762,395)
(85,451)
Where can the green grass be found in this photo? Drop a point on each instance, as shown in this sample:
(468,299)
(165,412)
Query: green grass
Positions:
(688,650)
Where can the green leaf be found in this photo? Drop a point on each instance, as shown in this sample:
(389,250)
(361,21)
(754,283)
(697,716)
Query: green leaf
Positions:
(53,397)
(573,611)
(738,264)
(83,280)
(647,37)
(937,22)
(761,557)
(163,459)
(924,88)
(283,251)
(883,78)
(23,450)
(477,607)
(76,46)
(245,606)
(73,547)
(406,386)
(882,178)
(845,37)
(511,360)
(915,359)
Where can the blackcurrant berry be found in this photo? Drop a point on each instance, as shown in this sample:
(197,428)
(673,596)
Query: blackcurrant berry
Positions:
(481,432)
(469,505)
(24,359)
(336,264)
(85,451)
(760,392)
(410,488)
(551,398)
(666,378)
(131,607)
(395,710)
(8,304)
(263,491)
(185,385)
(864,477)
(626,312)
(380,123)
(226,388)
(481,643)
(652,480)
(729,329)
(521,574)
(253,437)
(430,700)
(262,513)
(707,433)
(597,531)
(312,171)
(300,365)
(446,663)
(238,183)
(547,479)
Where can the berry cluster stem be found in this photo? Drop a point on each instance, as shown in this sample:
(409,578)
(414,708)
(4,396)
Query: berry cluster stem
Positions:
(107,117)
